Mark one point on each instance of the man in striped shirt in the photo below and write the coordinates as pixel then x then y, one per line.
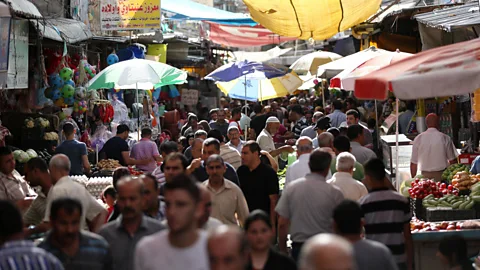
pixel 16 253
pixel 387 215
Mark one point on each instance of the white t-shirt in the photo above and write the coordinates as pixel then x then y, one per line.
pixel 155 252
pixel 432 150
pixel 351 188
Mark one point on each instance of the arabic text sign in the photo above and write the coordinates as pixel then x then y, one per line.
pixel 189 97
pixel 129 14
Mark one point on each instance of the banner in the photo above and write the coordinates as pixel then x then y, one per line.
pixel 4 43
pixel 129 14
pixel 18 55
pixel 189 97
pixel 244 36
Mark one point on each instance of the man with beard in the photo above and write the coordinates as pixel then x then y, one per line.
pixel 124 233
pixel 183 246
pixel 75 248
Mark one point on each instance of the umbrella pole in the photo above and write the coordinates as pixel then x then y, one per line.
pixel 246 103
pixel 397 175
pixel 324 82
pixel 377 125
pixel 138 112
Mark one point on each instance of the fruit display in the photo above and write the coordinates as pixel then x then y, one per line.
pixel 29 123
pixel 108 164
pixel 451 201
pixel 50 136
pixel 452 170
pixel 464 181
pixel 417 226
pixel 282 177
pixel 421 188
pixel 42 122
pixel 134 172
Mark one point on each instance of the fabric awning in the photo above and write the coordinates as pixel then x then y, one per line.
pixel 25 8
pixel 189 10
pixel 63 29
pixel 4 10
pixel 243 36
pixel 450 18
pixel 260 56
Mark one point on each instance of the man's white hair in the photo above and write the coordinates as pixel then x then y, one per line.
pixel 319 243
pixel 325 139
pixel 60 161
pixel 345 162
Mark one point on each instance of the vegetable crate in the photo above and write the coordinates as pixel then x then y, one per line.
pixel 418 210
pixel 446 214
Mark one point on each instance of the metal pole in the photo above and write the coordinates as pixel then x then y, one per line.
pixel 377 125
pixel 397 183
pixel 138 112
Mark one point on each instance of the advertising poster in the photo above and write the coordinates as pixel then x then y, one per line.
pixel 129 14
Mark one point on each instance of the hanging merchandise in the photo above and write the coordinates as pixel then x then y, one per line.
pixel 100 137
pixel 55 81
pixel 80 93
pixel 80 107
pixel 70 82
pixel 103 110
pixel 67 94
pixel 112 59
pixel 476 106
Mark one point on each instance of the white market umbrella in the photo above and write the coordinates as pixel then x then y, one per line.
pixel 309 63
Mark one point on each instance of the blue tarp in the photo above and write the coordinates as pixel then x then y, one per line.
pixel 189 10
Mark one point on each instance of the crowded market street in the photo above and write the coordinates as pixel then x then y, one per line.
pixel 239 135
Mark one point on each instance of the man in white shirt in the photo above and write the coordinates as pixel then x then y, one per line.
pixel 299 168
pixel 234 139
pixel 183 245
pixel 207 222
pixel 265 139
pixel 351 188
pixel 432 151
pixel 357 140
pixel 65 187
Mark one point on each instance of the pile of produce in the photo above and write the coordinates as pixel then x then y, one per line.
pixel 29 123
pixel 108 164
pixel 24 156
pixel 417 225
pixel 282 177
pixel 134 172
pixel 421 188
pixel 42 122
pixel 50 136
pixel 451 201
pixel 452 170
pixel 464 181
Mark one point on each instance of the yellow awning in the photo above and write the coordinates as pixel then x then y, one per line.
pixel 317 19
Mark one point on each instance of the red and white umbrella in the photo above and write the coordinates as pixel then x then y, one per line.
pixel 346 79
pixel 444 71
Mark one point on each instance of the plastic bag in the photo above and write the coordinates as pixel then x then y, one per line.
pixel 121 111
pixel 100 137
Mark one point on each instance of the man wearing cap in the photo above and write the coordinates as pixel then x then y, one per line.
pixel 265 138
pixel 320 127
pixel 297 115
pixel 117 148
pixel 310 131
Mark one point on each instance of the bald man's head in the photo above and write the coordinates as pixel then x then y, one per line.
pixel 304 145
pixel 326 139
pixel 206 201
pixel 431 121
pixel 227 248
pixel 326 252
pixel 59 167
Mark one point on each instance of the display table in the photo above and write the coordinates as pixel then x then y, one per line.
pixel 425 245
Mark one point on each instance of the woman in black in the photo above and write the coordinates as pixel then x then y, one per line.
pixel 260 236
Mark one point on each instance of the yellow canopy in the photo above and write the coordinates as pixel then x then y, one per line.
pixel 317 19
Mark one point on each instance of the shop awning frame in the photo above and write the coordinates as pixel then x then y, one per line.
pixel 451 18
pixel 63 29
pixel 24 8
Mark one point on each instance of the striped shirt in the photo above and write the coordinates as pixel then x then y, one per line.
pixel 231 155
pixel 13 187
pixel 300 125
pixel 20 255
pixel 386 213
pixel 93 253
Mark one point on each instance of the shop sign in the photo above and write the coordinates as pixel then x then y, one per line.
pixel 189 97
pixel 4 42
pixel 129 14
pixel 18 55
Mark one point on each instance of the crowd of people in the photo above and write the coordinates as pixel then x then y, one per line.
pixel 212 199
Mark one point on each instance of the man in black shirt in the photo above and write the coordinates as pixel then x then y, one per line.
pixel 258 122
pixel 259 182
pixel 117 148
